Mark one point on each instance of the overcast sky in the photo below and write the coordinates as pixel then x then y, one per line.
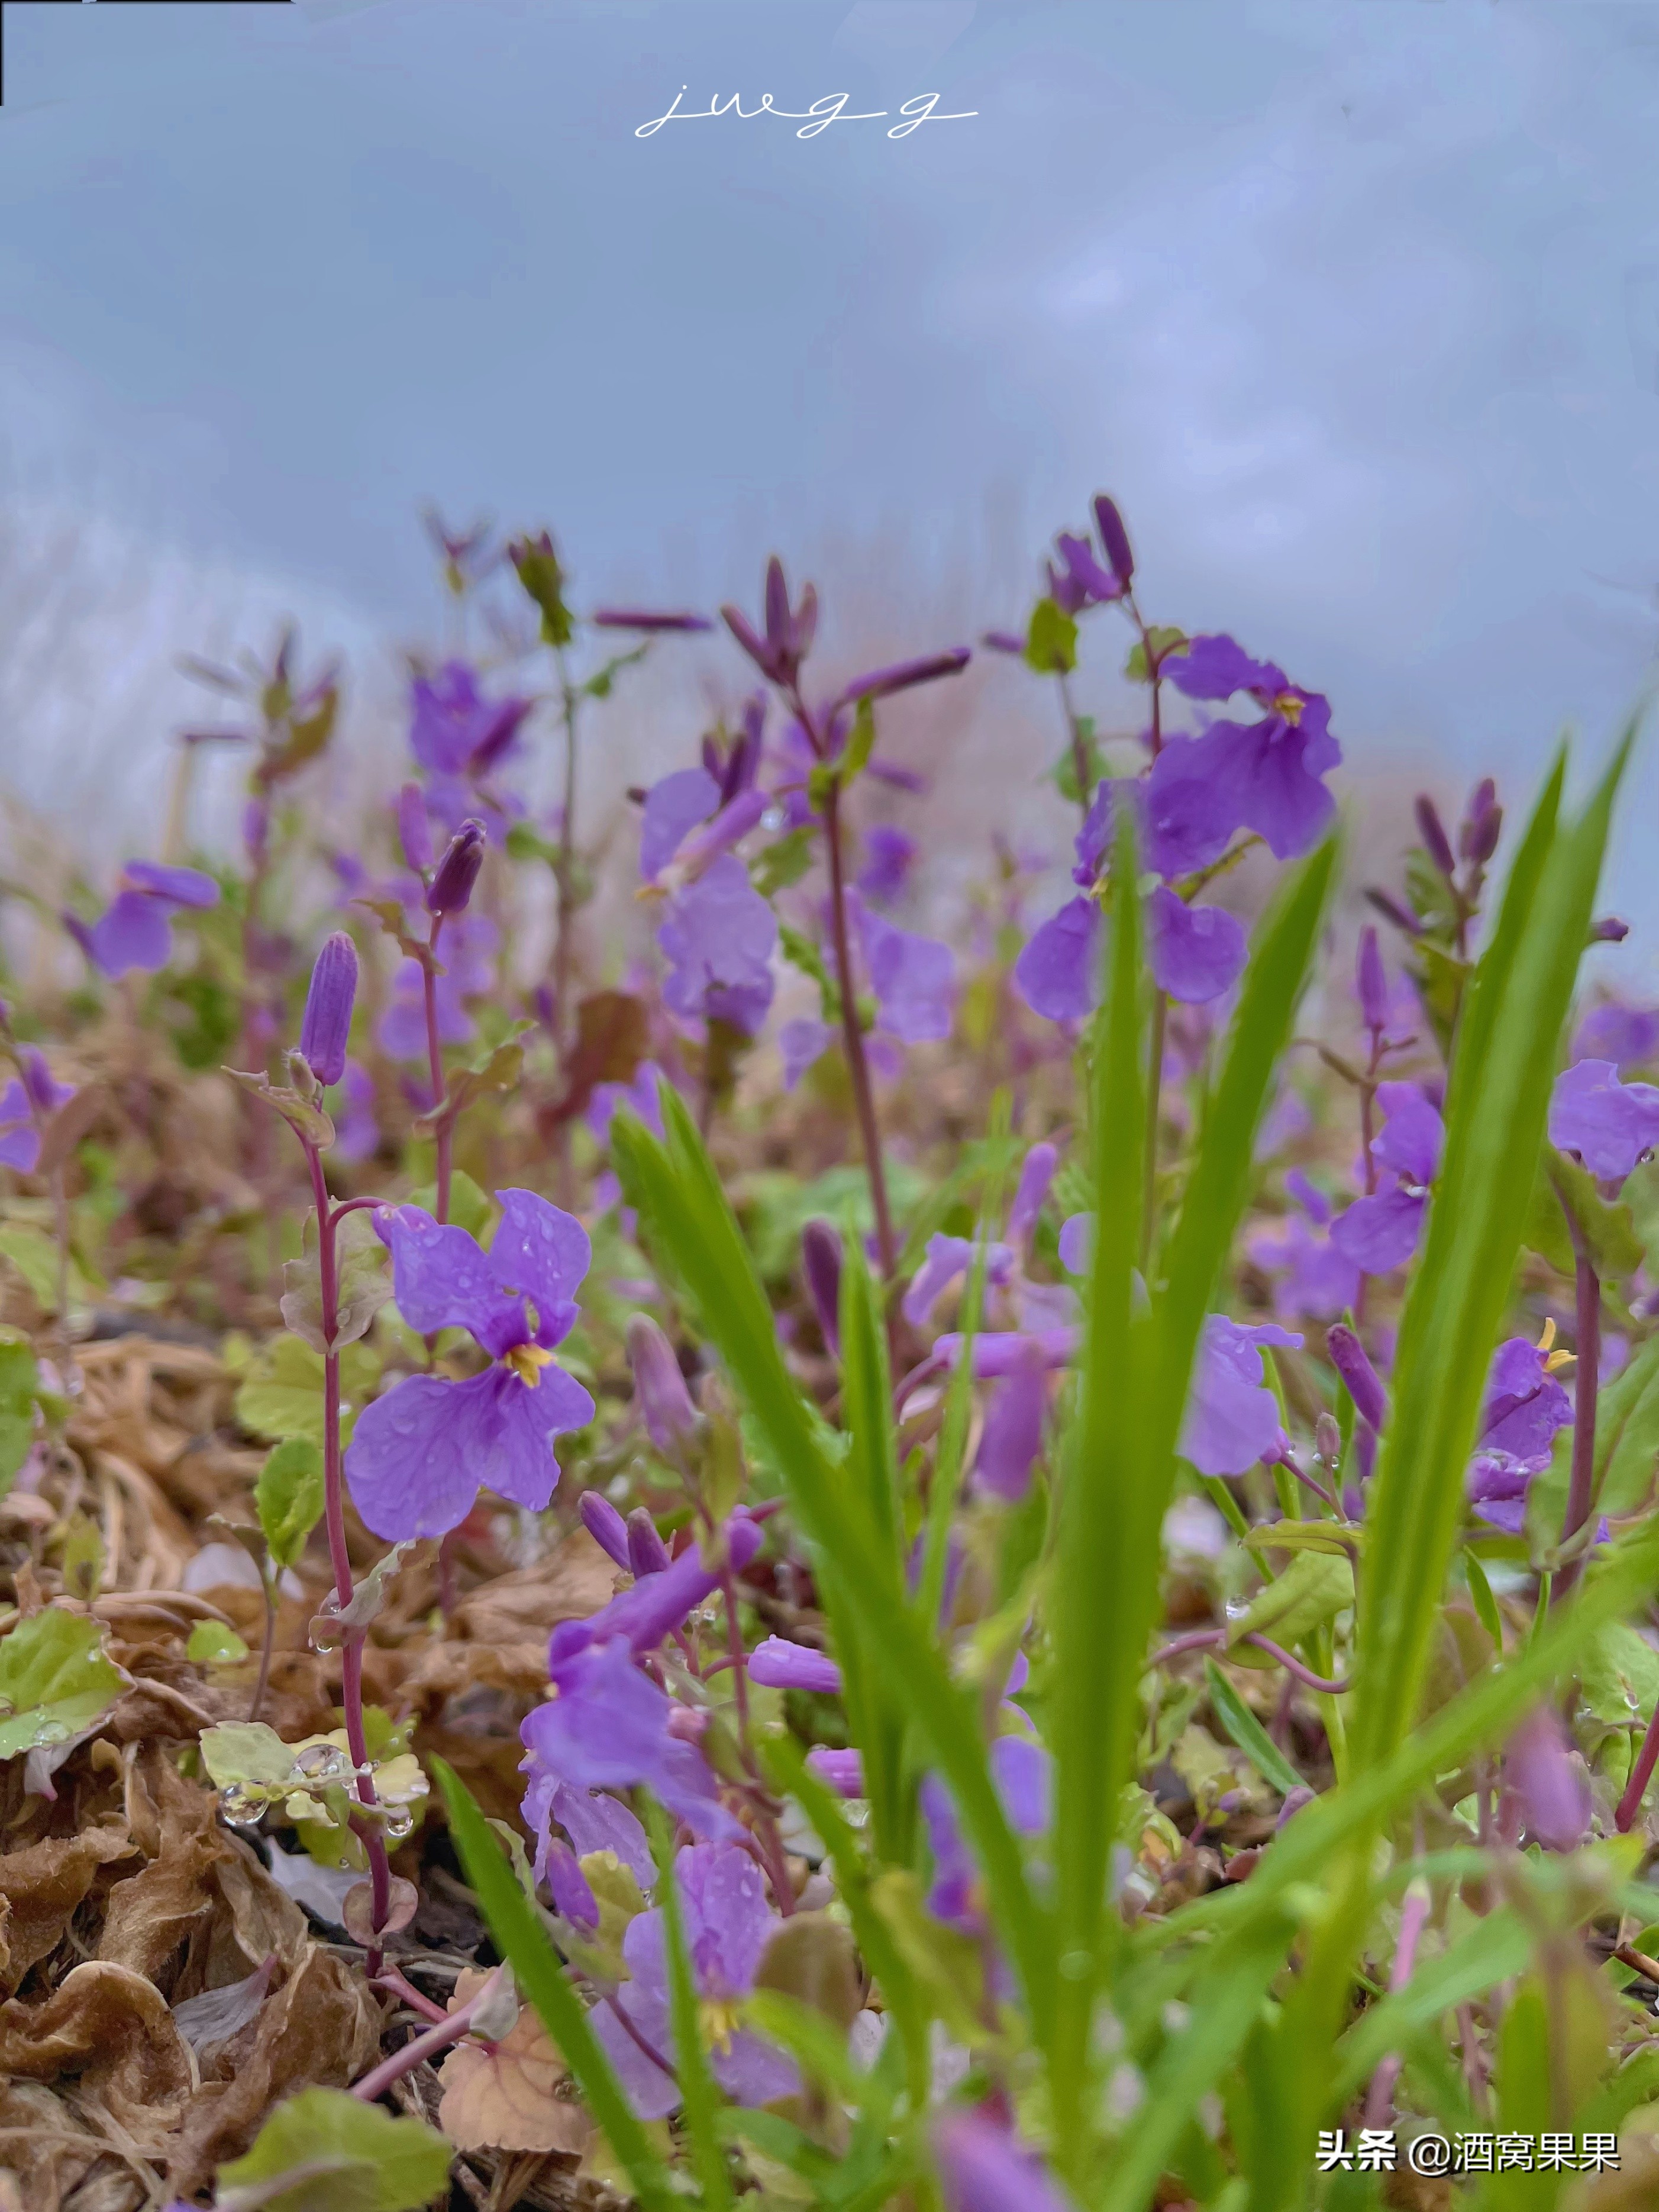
pixel 1354 304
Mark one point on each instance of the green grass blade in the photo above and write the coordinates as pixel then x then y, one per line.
pixel 523 1941
pixel 1247 1733
pixel 700 2098
pixel 686 1214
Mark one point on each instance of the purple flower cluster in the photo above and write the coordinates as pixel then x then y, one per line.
pixel 135 931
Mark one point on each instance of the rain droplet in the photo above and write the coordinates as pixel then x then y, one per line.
pixel 52 1732
pixel 326 1634
pixel 323 1763
pixel 399 1823
pixel 241 1807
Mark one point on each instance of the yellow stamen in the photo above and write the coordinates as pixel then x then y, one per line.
pixel 1289 707
pixel 1546 1335
pixel 1557 1360
pixel 527 1361
pixel 719 2022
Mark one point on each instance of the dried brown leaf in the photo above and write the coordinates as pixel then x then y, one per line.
pixel 40 1888
pixel 507 2097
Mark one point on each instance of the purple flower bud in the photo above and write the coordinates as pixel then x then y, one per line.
pixel 327 1023
pixel 1035 1178
pixel 648 1554
pixel 648 624
pixel 1373 983
pixel 780 629
pixel 1328 1439
pixel 1347 1355
pixel 1003 641
pixel 778 1664
pixel 664 1401
pixel 820 1255
pixel 1114 538
pixel 606 1526
pixel 1478 838
pixel 572 1895
pixel 1609 930
pixel 905 675
pixel 804 629
pixel 759 651
pixel 1391 910
pixel 1295 1803
pixel 414 828
pixel 1433 833
pixel 1546 1772
pixel 457 871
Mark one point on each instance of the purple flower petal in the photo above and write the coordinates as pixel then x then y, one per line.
pixel 673 808
pixel 1196 952
pixel 914 979
pixel 543 1252
pixel 1414 1135
pixel 608 1728
pixel 889 855
pixel 1610 1125
pixel 1057 974
pixel 1012 1435
pixel 1076 1234
pixel 1231 1418
pixel 136 931
pixel 178 886
pixel 718 937
pixel 803 1044
pixel 1381 1233
pixel 441 1278
pixel 1034 1177
pixel 1217 667
pixel 419 1455
pixel 987 2169
pixel 1628 1036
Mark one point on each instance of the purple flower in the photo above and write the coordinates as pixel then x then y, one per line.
pixel 652 1609
pixel 999 1352
pixel 1381 1232
pixel 986 2168
pixel 401 1030
pixel 947 1260
pixel 34 1093
pixel 727 1926
pixel 1315 1281
pixel 1364 1384
pixel 914 979
pixel 888 857
pixel 1080 581
pixel 1525 1407
pixel 803 1043
pixel 840 1771
pixel 420 1455
pixel 789 632
pixel 414 827
pixel 778 1664
pixel 1058 972
pixel 1076 1241
pixel 136 930
pixel 648 1554
pixel 820 1260
pixel 451 887
pixel 455 729
pixel 1196 952
pixel 641 1097
pixel 1114 538
pixel 1034 1177
pixel 327 1021
pixel 673 807
pixel 610 1727
pixel 1628 1036
pixel 718 936
pixel 1231 1418
pixel 665 1402
pixel 1022 1772
pixel 1611 1125
pixel 1544 1768
pixel 1014 1421
pixel 1093 843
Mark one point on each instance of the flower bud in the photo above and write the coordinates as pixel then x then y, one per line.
pixel 572 1896
pixel 1347 1355
pixel 646 622
pixel 780 628
pixel 1609 930
pixel 1003 641
pixel 905 675
pixel 1478 838
pixel 1433 833
pixel 414 828
pixel 1372 982
pixel 1391 910
pixel 665 1402
pixel 327 1023
pixel 1543 1768
pixel 648 1554
pixel 1328 1439
pixel 605 1525
pixel 457 871
pixel 1114 538
pixel 820 1255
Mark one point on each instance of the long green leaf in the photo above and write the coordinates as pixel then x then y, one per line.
pixel 523 1941
pixel 700 2098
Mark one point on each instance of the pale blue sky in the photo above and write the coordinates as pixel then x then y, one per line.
pixel 1354 303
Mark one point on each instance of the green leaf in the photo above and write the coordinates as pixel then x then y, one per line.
pixel 1051 640
pixel 212 1644
pixel 325 2150
pixel 521 1936
pixel 34 1255
pixel 1315 1588
pixel 1247 1733
pixel 55 1680
pixel 288 1498
pixel 784 862
pixel 1619 1681
pixel 1486 1605
pixel 1566 1191
pixel 249 1755
pixel 283 1396
pixel 469 1208
pixel 362 1284
pixel 699 2097
pixel 19 1384
pixel 1164 638
pixel 801 953
pixel 856 754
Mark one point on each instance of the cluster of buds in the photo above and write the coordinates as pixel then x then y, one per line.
pixel 789 631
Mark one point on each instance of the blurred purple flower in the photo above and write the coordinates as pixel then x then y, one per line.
pixel 1057 973
pixel 889 855
pixel 986 2168
pixel 665 1402
pixel 728 1925
pixel 946 1261
pixel 1014 1421
pixel 1611 1125
pixel 1076 1242
pixel 914 978
pixel 839 1771
pixel 1363 1382
pixel 1036 1174
pixel 454 729
pixel 778 1664
pixel 1544 1768
pixel 1232 1418
pixel 673 807
pixel 1628 1036
pixel 905 675
pixel 1313 1280
pixel 420 1455
pixel 820 1262
pixel 718 936
pixel 641 1097
pixel 802 1042
pixel 606 1526
pixel 414 827
pixel 35 1092
pixel 136 930
pixel 1022 1772
pixel 1080 581
pixel 1196 952
pixel 401 1030
pixel 450 890
pixel 1371 983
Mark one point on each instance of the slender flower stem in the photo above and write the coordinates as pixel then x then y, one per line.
pixel 1414 1918
pixel 1212 1639
pixel 267 1644
pixel 391 1979
pixel 351 1652
pixel 1581 1488
pixel 564 866
pixel 858 1065
pixel 444 1130
pixel 1079 748
pixel 439 2037
pixel 1640 1775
